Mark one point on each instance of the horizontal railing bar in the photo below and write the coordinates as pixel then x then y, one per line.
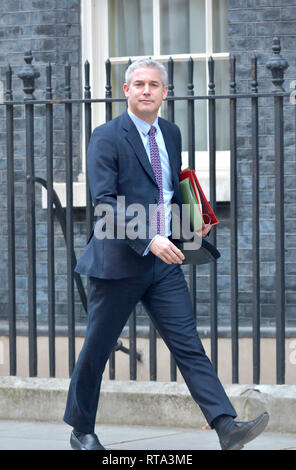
pixel 64 101
pixel 143 331
pixel 169 98
pixel 228 96
pixel 176 57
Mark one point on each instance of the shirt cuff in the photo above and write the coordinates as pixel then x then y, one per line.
pixel 148 247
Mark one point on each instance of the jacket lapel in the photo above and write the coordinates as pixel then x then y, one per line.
pixel 135 141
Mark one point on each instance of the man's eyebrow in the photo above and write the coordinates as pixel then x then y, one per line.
pixel 151 81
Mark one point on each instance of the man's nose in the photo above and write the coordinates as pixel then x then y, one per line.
pixel 146 89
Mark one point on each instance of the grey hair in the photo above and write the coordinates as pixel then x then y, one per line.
pixel 146 63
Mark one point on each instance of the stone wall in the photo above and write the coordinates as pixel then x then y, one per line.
pixel 51 30
pixel 252 26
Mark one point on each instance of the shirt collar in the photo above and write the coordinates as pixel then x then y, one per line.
pixel 142 125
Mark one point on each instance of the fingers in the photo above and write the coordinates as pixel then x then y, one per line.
pixel 170 256
pixel 177 254
pixel 206 230
pixel 167 251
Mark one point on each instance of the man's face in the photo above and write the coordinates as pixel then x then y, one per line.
pixel 145 93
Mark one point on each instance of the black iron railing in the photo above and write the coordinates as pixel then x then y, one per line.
pixel 28 74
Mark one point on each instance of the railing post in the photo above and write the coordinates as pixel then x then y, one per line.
pixel 133 345
pixel 11 225
pixel 233 223
pixel 28 74
pixel 277 65
pixel 50 223
pixel 191 160
pixel 213 235
pixel 69 220
pixel 171 103
pixel 108 92
pixel 255 226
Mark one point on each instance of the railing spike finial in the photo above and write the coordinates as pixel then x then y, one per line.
pixel 108 86
pixel 277 65
pixel 28 74
pixel 171 76
pixel 67 87
pixel 211 68
pixel 8 92
pixel 48 91
pixel 254 82
pixel 87 88
pixel 232 73
pixel 190 86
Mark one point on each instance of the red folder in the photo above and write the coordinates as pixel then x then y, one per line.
pixel 207 212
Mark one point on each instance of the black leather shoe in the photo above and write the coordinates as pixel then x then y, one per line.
pixel 237 433
pixel 81 441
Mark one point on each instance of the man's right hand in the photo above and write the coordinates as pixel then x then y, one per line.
pixel 166 250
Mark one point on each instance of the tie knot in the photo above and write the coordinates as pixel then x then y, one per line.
pixel 152 131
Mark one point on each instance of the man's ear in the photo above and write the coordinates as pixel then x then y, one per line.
pixel 165 91
pixel 125 88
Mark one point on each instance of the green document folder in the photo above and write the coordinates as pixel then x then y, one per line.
pixel 191 206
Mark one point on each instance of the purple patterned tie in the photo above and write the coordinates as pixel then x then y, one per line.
pixel 158 220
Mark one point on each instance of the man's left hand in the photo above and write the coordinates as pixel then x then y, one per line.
pixel 203 232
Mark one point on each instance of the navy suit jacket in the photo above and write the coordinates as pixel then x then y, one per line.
pixel 118 165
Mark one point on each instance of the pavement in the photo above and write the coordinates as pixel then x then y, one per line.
pixel 38 435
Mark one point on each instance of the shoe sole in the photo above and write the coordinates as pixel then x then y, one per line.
pixel 253 433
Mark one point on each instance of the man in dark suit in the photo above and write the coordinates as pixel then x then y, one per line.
pixel 135 159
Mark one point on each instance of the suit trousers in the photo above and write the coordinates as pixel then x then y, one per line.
pixel 163 291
